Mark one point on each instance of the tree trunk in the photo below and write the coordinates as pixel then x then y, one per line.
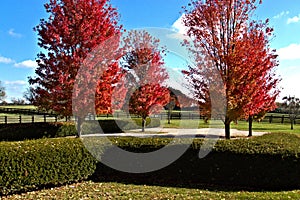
pixel 143 124
pixel 292 124
pixel 169 116
pixel 227 130
pixel 227 127
pixel 79 124
pixel 250 125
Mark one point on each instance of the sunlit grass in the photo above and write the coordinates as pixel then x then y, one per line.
pixel 19 106
pixel 267 127
pixel 102 190
pixel 240 125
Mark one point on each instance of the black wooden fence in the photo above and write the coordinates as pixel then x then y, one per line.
pixel 25 118
pixel 25 111
pixel 280 119
pixel 31 119
pixel 32 116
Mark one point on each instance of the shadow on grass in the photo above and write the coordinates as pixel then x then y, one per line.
pixel 216 172
pixel 159 179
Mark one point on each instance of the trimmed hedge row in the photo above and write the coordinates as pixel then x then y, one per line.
pixel 267 162
pixel 117 126
pixel 28 131
pixel 46 162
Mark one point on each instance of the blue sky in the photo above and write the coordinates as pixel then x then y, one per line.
pixel 18 41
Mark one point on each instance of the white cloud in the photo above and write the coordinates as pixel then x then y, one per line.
pixel 178 36
pixel 15 88
pixel 294 19
pixel 12 33
pixel 23 64
pixel 283 13
pixel 180 29
pixel 6 60
pixel 27 64
pixel 179 26
pixel 17 82
pixel 291 52
pixel 289 84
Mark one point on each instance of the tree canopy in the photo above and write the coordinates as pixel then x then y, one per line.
pixel 231 48
pixel 72 31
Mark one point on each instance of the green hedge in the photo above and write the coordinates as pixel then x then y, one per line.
pixel 46 162
pixel 117 126
pixel 28 131
pixel 266 162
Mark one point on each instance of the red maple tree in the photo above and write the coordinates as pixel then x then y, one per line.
pixel 72 31
pixel 226 41
pixel 148 99
pixel 255 53
pixel 143 60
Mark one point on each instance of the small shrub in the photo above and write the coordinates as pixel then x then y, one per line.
pixel 116 126
pixel 66 129
pixel 150 122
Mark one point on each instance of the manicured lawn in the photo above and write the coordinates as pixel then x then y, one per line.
pixel 189 123
pixel 268 127
pixel 19 106
pixel 241 125
pixel 93 190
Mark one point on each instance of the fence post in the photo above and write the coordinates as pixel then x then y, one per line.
pixel 282 119
pixel 45 120
pixel 270 118
pixel 32 119
pixel 55 118
pixel 5 119
pixel 20 119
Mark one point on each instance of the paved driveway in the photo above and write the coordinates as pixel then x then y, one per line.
pixel 172 132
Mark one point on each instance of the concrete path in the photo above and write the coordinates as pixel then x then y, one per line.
pixel 173 132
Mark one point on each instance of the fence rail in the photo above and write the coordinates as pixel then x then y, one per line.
pixel 30 119
pixel 25 111
pixel 25 118
pixel 280 119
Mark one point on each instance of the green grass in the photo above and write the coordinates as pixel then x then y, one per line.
pixel 114 190
pixel 268 127
pixel 189 123
pixel 9 115
pixel 109 190
pixel 241 125
pixel 19 106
